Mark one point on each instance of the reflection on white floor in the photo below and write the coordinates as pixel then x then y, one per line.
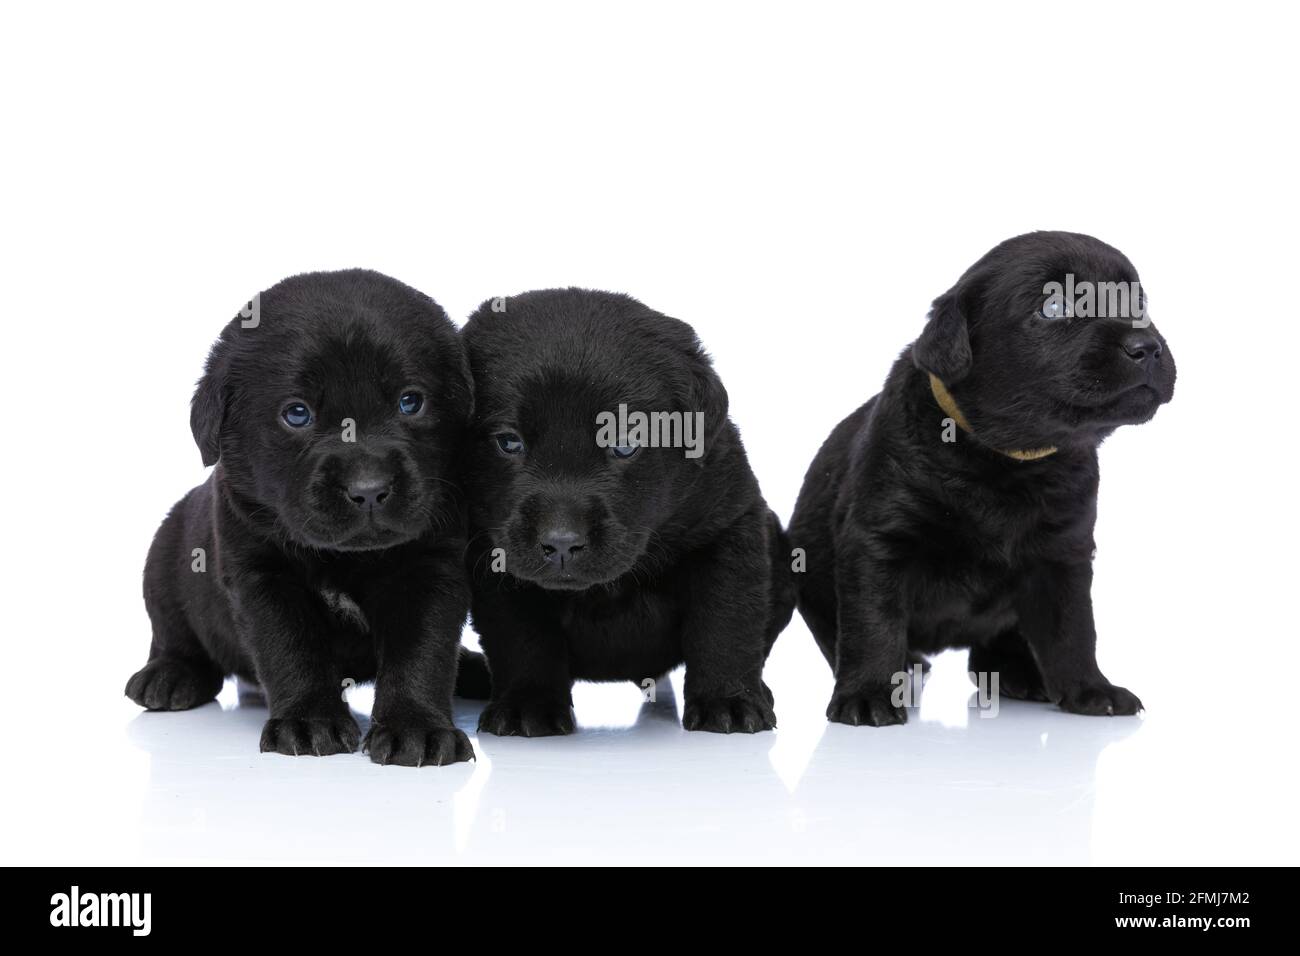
pixel 1030 784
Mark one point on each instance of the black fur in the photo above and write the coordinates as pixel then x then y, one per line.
pixel 914 544
pixel 308 581
pixel 674 561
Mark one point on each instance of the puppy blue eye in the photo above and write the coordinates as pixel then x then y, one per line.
pixel 624 451
pixel 410 403
pixel 1055 308
pixel 509 443
pixel 296 415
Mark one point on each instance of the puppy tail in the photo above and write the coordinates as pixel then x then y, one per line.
pixel 472 677
pixel 784 585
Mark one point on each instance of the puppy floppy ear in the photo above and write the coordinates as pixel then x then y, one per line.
pixel 944 346
pixel 208 407
pixel 708 395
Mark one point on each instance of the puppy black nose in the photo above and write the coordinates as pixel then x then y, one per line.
pixel 369 492
pixel 1142 347
pixel 562 545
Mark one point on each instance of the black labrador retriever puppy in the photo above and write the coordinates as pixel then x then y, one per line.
pixel 616 529
pixel 956 508
pixel 328 542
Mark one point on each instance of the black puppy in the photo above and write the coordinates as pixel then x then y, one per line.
pixel 956 508
pixel 595 555
pixel 328 542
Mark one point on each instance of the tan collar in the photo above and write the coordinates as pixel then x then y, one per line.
pixel 949 405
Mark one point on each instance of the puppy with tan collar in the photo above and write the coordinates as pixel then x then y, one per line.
pixel 956 508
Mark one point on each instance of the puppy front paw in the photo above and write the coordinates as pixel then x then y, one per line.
pixel 168 683
pixel 527 716
pixel 311 736
pixel 416 745
pixel 1100 700
pixel 872 707
pixel 735 714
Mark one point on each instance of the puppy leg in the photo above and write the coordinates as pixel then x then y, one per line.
pixel 817 606
pixel 179 674
pixel 531 686
pixel 1056 620
pixel 473 679
pixel 416 615
pixel 784 589
pixel 1008 656
pixel 284 627
pixel 872 643
pixel 723 638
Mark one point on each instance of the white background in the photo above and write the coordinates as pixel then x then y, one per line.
pixel 798 181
